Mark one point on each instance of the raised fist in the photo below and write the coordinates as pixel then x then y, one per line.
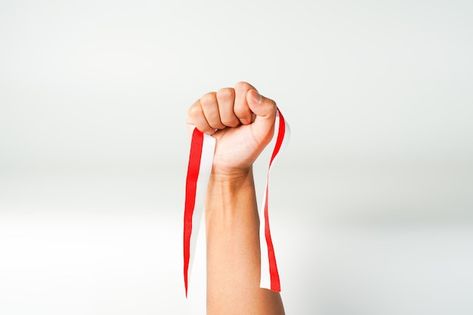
pixel 240 119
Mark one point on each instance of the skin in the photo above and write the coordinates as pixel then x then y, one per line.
pixel 242 121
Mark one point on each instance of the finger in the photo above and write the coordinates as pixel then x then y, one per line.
pixel 196 117
pixel 210 109
pixel 240 108
pixel 263 107
pixel 225 99
pixel 265 111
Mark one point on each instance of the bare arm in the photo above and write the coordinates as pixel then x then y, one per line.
pixel 233 258
pixel 245 123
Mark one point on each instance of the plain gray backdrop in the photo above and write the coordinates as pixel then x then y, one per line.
pixel 371 203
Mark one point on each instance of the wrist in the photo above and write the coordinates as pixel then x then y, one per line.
pixel 230 176
pixel 227 190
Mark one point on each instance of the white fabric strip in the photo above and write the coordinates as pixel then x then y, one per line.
pixel 265 278
pixel 206 160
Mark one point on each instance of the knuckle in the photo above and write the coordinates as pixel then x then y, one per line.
pixel 243 85
pixel 194 110
pixel 207 98
pixel 226 93
pixel 272 103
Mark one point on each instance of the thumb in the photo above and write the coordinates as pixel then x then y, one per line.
pixel 265 111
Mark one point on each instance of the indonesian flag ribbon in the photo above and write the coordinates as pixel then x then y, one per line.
pixel 198 171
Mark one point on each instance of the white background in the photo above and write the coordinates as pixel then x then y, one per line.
pixel 372 207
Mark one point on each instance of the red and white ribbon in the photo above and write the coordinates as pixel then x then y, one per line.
pixel 198 172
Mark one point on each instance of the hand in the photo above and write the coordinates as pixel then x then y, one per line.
pixel 240 119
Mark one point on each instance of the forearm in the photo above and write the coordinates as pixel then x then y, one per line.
pixel 233 253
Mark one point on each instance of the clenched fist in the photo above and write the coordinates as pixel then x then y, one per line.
pixel 240 119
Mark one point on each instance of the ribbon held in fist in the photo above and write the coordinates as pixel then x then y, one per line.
pixel 232 128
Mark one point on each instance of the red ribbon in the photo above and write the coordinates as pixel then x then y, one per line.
pixel 191 188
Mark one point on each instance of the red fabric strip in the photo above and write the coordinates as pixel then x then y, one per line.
pixel 191 188
pixel 273 267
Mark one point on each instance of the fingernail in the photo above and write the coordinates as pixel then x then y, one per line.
pixel 255 96
pixel 245 121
